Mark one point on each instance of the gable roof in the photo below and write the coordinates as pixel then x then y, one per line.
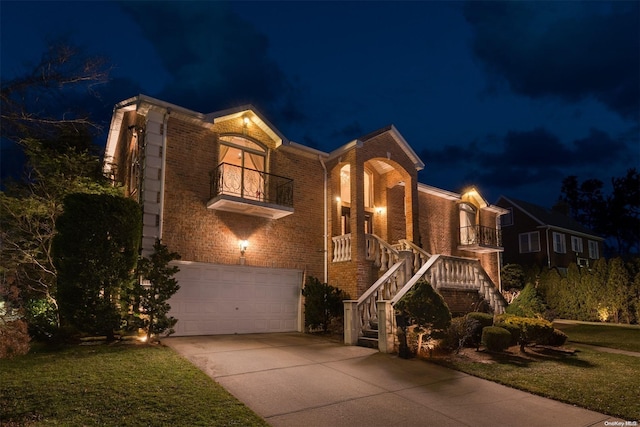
pixel 394 133
pixel 547 217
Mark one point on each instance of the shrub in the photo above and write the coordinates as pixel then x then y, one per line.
pixel 529 330
pixel 556 339
pixel 42 318
pixel 424 307
pixel 528 304
pixel 495 338
pixel 14 338
pixel 512 277
pixel 475 321
pixel 322 304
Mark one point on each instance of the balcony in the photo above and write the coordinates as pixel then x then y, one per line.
pixel 480 239
pixel 250 192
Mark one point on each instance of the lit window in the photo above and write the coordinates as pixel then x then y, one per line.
pixel 529 242
pixel 467 224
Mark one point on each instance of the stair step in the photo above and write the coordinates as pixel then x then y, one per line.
pixel 368 342
pixel 370 333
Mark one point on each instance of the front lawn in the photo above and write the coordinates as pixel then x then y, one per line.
pixel 121 384
pixel 605 335
pixel 603 382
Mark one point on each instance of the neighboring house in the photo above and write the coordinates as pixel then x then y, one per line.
pixel 533 235
pixel 252 214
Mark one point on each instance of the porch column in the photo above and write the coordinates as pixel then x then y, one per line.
pixel 351 322
pixel 386 327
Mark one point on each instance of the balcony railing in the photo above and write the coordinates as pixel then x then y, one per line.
pixel 251 184
pixel 478 236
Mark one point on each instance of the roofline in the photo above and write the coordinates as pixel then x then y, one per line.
pixel 305 150
pixel 450 195
pixel 555 227
pixel 573 232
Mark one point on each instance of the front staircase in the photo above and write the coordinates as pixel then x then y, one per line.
pixel 370 320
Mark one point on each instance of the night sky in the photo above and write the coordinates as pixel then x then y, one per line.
pixel 508 96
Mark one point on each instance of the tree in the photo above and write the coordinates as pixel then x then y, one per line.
pixel 95 252
pixel 424 307
pixel 150 295
pixel 322 303
pixel 528 304
pixel 615 217
pixel 37 112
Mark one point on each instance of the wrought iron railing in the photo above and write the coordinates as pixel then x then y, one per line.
pixel 251 184
pixel 480 235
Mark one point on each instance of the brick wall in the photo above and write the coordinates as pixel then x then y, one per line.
pixel 205 235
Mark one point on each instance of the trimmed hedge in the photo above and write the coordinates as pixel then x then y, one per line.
pixel 529 330
pixel 556 339
pixel 485 319
pixel 495 338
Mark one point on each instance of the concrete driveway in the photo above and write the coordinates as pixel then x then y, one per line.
pixel 293 379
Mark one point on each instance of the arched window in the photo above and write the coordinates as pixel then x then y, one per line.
pixel 468 232
pixel 241 167
pixel 345 186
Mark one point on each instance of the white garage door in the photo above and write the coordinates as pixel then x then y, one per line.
pixel 228 299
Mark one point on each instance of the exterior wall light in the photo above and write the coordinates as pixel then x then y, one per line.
pixel 379 210
pixel 245 121
pixel 338 199
pixel 244 244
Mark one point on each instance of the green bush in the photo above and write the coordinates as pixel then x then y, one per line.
pixel 322 304
pixel 42 317
pixel 556 339
pixel 512 277
pixel 495 338
pixel 475 321
pixel 530 330
pixel 528 304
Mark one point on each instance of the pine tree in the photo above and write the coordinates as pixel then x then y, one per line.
pixel 153 292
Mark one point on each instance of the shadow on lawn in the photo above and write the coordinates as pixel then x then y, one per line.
pixel 540 354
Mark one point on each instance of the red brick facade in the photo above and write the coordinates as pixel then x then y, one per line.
pixel 400 207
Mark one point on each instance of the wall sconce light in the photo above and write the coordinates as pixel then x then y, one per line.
pixel 379 210
pixel 245 121
pixel 338 199
pixel 244 244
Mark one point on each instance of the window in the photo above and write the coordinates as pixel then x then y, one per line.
pixel 242 165
pixel 467 224
pixel 559 243
pixel 529 242
pixel 345 186
pixel 576 244
pixel 593 250
pixel 507 219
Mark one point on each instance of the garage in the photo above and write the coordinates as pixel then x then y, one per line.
pixel 234 299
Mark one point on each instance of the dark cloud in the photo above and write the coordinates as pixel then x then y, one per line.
pixel 348 132
pixel 535 157
pixel 572 50
pixel 215 59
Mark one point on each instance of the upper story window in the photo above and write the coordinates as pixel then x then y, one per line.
pixel 507 219
pixel 467 224
pixel 239 151
pixel 593 250
pixel 345 186
pixel 576 244
pixel 529 242
pixel 559 243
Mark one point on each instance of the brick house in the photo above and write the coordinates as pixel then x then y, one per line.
pixel 535 236
pixel 252 214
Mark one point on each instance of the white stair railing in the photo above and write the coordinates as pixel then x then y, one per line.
pixel 380 252
pixel 341 248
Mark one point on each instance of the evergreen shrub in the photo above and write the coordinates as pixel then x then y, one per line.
pixel 495 338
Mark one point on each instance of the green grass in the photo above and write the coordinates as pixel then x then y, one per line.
pixel 106 385
pixel 603 382
pixel 620 337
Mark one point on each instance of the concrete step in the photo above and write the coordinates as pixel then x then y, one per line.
pixel 368 342
pixel 370 333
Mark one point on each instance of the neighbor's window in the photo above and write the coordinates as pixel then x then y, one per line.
pixel 559 243
pixel 507 219
pixel 529 242
pixel 576 244
pixel 593 250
